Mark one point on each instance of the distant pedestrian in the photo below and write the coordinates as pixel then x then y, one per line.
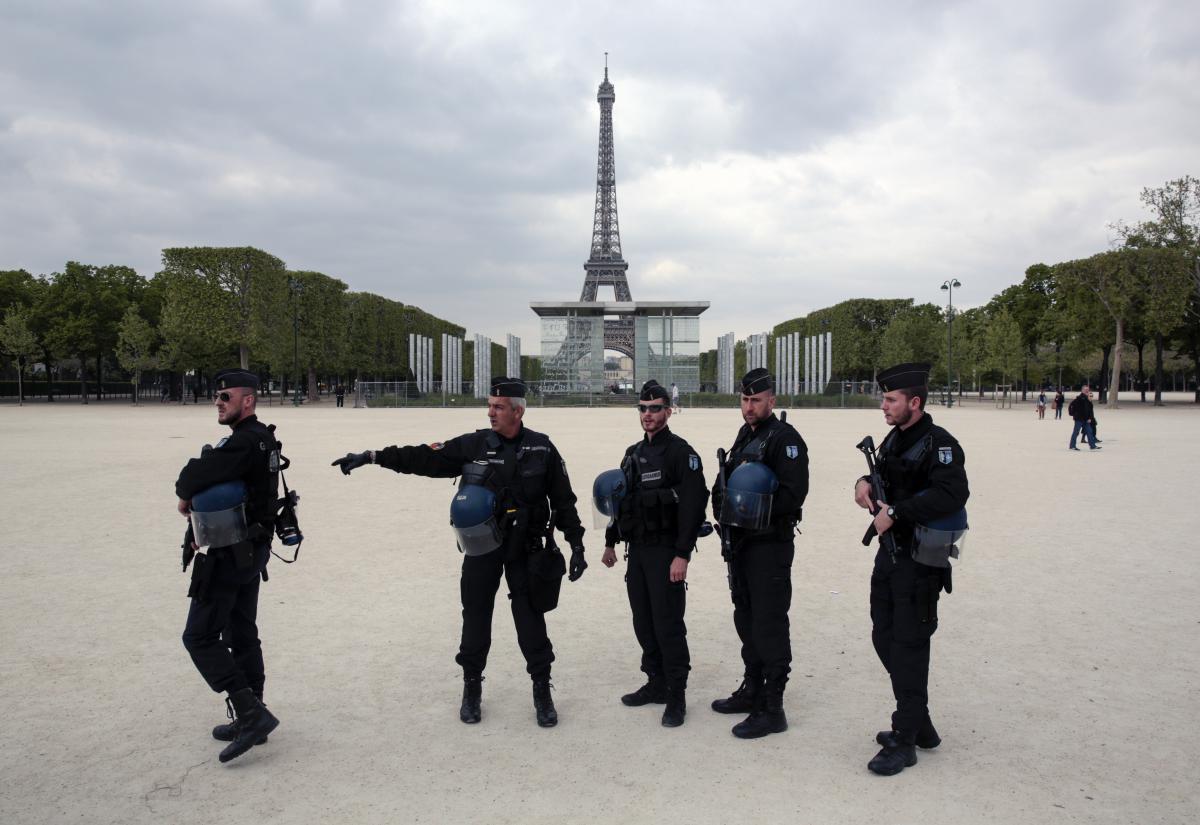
pixel 1081 411
pixel 675 398
pixel 1060 401
pixel 1041 405
pixel 340 392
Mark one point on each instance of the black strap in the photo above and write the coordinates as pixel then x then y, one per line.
pixel 287 499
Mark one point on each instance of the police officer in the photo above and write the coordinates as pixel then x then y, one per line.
pixel 922 468
pixel 221 633
pixel 529 479
pixel 760 562
pixel 659 516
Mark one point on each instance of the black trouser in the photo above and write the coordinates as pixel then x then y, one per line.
pixel 904 597
pixel 480 580
pixel 221 632
pixel 341 400
pixel 762 594
pixel 658 605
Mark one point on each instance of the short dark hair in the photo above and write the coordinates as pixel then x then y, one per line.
pixel 916 392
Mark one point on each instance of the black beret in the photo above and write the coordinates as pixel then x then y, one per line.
pixel 903 377
pixel 757 381
pixel 227 379
pixel 653 390
pixel 508 387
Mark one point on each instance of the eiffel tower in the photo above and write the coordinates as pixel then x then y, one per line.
pixel 605 266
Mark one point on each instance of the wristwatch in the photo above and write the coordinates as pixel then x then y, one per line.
pixel 891 511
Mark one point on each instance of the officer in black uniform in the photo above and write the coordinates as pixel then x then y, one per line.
pixel 659 517
pixel 529 478
pixel 760 569
pixel 221 633
pixel 922 468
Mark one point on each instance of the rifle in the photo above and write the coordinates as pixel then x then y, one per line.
pixel 887 541
pixel 726 537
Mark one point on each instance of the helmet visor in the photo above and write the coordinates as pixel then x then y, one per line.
pixel 936 547
pixel 751 511
pixel 480 539
pixel 219 528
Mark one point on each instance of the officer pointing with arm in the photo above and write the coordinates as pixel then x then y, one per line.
pixel 519 477
pixel 765 484
pixel 925 481
pixel 229 494
pixel 657 507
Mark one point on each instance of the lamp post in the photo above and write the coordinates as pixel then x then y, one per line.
pixel 949 287
pixel 296 286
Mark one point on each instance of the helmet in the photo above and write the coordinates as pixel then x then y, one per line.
pixel 219 514
pixel 941 539
pixel 473 517
pixel 748 495
pixel 607 491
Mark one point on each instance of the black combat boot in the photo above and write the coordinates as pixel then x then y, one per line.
pixel 469 711
pixel 676 707
pixel 927 737
pixel 228 732
pixel 543 704
pixel 768 717
pixel 253 722
pixel 742 700
pixel 654 692
pixel 898 754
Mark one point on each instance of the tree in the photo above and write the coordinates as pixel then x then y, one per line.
pixel 135 345
pixel 1110 278
pixel 916 333
pixel 244 300
pixel 18 340
pixel 1004 344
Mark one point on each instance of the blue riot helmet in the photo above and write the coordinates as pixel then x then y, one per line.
pixel 940 539
pixel 607 491
pixel 473 517
pixel 219 514
pixel 748 495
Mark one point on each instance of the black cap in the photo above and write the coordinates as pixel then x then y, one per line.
pixel 652 391
pixel 903 377
pixel 757 381
pixel 227 379
pixel 508 387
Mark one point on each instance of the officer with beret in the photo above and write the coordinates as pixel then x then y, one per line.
pixel 658 516
pixel 925 481
pixel 221 633
pixel 759 549
pixel 526 475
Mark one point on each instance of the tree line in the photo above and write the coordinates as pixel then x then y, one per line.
pixel 1047 329
pixel 208 308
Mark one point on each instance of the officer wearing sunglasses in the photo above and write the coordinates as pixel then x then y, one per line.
pixel 658 517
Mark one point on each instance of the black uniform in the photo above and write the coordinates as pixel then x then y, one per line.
pixel 659 518
pixel 760 572
pixel 925 478
pixel 221 633
pixel 529 479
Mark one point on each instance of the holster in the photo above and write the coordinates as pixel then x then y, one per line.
pixel 202 572
pixel 546 570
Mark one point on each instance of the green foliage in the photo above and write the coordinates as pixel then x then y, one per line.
pixel 136 341
pixel 1004 344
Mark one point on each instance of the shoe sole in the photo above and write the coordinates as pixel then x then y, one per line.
pixel 230 757
pixel 882 737
pixel 892 773
pixel 639 704
pixel 730 711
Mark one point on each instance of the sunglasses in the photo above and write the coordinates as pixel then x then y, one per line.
pixel 224 396
pixel 651 408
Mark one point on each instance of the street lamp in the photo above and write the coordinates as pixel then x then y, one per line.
pixel 296 286
pixel 949 287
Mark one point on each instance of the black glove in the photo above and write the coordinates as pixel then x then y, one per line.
pixel 352 461
pixel 578 565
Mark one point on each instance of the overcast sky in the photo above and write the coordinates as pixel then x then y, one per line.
pixel 772 157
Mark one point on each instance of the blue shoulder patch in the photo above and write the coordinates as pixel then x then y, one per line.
pixel 694 462
pixel 792 451
pixel 945 455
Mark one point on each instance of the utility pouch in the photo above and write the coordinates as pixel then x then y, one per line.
pixel 243 555
pixel 928 591
pixel 546 567
pixel 202 571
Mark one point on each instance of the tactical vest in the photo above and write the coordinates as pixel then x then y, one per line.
pixel 517 475
pixel 903 474
pixel 649 512
pixel 262 479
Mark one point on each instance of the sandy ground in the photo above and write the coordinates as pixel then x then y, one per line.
pixel 1064 679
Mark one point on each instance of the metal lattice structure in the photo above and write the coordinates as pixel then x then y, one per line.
pixel 605 266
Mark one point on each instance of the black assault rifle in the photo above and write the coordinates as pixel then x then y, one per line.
pixel 887 541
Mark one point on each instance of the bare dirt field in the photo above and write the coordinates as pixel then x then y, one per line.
pixel 1064 680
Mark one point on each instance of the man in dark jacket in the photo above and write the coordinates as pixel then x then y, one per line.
pixel 1084 413
pixel 924 475
pixel 222 633
pixel 528 477
pixel 659 517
